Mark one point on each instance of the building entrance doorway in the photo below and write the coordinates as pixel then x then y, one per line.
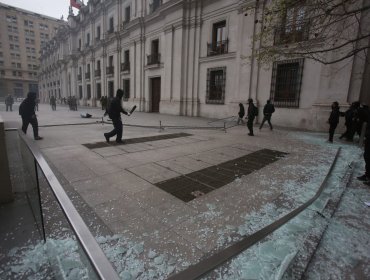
pixel 155 84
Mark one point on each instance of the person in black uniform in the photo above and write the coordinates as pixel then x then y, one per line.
pixel 27 112
pixel 333 120
pixel 251 114
pixel 53 103
pixel 114 112
pixel 9 102
pixel 268 110
pixel 241 113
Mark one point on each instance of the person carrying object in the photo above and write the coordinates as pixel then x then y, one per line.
pixel 27 112
pixel 114 112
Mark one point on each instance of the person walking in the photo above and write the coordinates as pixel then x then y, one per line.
pixel 9 102
pixel 333 120
pixel 251 114
pixel 366 177
pixel 27 112
pixel 241 113
pixel 53 103
pixel 268 110
pixel 114 111
pixel 37 101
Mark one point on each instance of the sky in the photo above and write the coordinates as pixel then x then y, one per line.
pixel 52 8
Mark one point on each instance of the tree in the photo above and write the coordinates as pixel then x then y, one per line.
pixel 328 31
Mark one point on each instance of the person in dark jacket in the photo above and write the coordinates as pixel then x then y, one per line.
pixel 53 103
pixel 251 114
pixel 27 112
pixel 333 120
pixel 366 176
pixel 268 110
pixel 241 113
pixel 9 102
pixel 114 112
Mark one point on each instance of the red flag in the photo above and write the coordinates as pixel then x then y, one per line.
pixel 76 4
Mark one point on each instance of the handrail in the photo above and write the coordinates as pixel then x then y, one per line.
pixel 95 254
pixel 206 265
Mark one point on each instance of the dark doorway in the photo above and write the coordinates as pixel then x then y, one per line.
pixel 110 89
pixel 155 93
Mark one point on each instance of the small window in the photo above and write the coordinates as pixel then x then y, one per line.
pixel 127 56
pixel 216 81
pixel 80 92
pixel 126 89
pixel 111 25
pixel 98 91
pixel 294 26
pixel 219 44
pixel 286 83
pixel 88 39
pixel 127 14
pixel 88 91
pixel 98 33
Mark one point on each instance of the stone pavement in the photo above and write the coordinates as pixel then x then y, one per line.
pixel 117 182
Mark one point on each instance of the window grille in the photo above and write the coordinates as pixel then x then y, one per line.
pixel 216 81
pixel 286 83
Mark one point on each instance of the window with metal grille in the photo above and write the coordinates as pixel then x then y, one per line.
pixel 286 83
pixel 216 81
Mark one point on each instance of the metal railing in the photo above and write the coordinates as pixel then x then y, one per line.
pixel 97 73
pixel 125 66
pixel 291 33
pixel 154 58
pixel 110 70
pixel 40 174
pixel 217 48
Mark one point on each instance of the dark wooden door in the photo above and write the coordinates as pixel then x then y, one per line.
pixel 156 94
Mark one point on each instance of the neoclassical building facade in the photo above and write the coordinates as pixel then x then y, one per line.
pixel 187 57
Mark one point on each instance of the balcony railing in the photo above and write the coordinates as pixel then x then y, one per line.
pixel 79 77
pixel 291 34
pixel 110 70
pixel 97 73
pixel 125 66
pixel 110 30
pixel 154 58
pixel 87 75
pixel 154 6
pixel 217 48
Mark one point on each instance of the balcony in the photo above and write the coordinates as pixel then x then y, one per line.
pixel 110 30
pixel 87 75
pixel 154 58
pixel 125 66
pixel 154 6
pixel 291 34
pixel 79 77
pixel 110 70
pixel 217 48
pixel 97 73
